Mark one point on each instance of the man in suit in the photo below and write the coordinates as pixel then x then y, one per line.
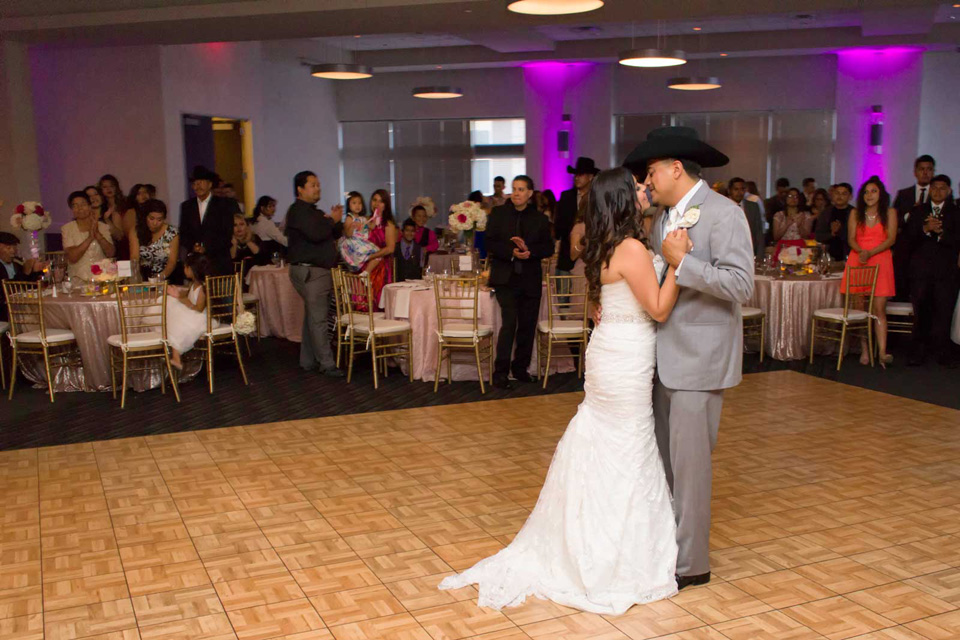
pixel 933 233
pixel 567 207
pixel 737 188
pixel 775 203
pixel 907 199
pixel 13 268
pixel 700 346
pixel 518 238
pixel 831 227
pixel 206 222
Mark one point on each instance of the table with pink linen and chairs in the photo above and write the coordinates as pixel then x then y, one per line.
pixel 281 308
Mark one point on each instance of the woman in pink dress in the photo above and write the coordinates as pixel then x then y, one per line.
pixel 384 235
pixel 872 230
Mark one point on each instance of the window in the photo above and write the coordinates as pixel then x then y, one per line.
pixel 498 150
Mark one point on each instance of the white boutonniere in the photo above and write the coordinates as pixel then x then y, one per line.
pixel 690 217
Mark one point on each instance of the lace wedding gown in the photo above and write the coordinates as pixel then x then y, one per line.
pixel 601 537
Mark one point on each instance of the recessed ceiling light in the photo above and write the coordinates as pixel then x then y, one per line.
pixel 553 7
pixel 438 93
pixel 723 55
pixel 340 71
pixel 693 83
pixel 356 36
pixel 652 58
pixel 696 28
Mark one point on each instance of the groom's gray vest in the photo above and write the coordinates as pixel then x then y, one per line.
pixel 700 346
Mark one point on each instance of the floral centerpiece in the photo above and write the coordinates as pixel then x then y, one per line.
pixel 104 270
pixel 428 205
pixel 30 216
pixel 468 217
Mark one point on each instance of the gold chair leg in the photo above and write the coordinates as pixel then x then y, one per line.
pixel 246 340
pixel 123 390
pixel 46 364
pixel 436 372
pixel 843 339
pixel 476 353
pixel 13 372
pixel 173 381
pixel 243 372
pixel 210 363
pixel 410 355
pixel 373 357
pixel 763 330
pixel 450 366
pixel 113 373
pixel 3 375
pixel 490 360
pixel 546 369
pixel 813 336
pixel 870 339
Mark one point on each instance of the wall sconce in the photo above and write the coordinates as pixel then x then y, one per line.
pixel 876 129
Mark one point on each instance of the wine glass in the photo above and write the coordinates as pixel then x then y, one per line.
pixel 275 259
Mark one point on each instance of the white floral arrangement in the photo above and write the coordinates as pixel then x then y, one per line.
pixel 104 270
pixel 30 216
pixel 467 216
pixel 428 205
pixel 795 255
pixel 246 323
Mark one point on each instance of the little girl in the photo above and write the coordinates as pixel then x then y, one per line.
pixel 187 309
pixel 356 248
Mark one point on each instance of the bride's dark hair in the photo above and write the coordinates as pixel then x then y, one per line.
pixel 612 216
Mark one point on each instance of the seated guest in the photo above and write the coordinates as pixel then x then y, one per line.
pixel 245 245
pixel 831 229
pixel 85 240
pixel 933 229
pixel 187 309
pixel 96 201
pixel 13 268
pixel 819 203
pixel 778 201
pixel 792 225
pixel 272 238
pixel 809 189
pixel 155 242
pixel 409 253
pixel 424 237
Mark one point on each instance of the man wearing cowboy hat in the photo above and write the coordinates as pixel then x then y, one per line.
pixel 206 222
pixel 700 346
pixel 567 207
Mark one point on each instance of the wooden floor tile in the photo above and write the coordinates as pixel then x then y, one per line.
pixel 169 577
pixel 82 565
pixel 259 591
pixel 66 594
pixel 422 593
pixel 461 620
pixel 406 565
pixel 772 625
pixel 90 620
pixel 23 628
pixel 581 626
pixel 843 575
pixel 275 620
pixel 356 604
pixel 15 603
pixel 212 627
pixel 654 620
pixel 782 589
pixel 331 578
pixel 169 606
pixel 381 543
pixel 718 603
pixel 838 618
pixel 244 565
pixel 398 627
pixel 900 602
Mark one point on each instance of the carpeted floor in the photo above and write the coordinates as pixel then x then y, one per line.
pixel 279 391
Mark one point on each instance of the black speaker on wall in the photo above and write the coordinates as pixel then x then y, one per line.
pixel 563 141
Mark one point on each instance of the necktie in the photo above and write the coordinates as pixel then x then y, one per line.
pixel 407 250
pixel 672 221
pixel 923 195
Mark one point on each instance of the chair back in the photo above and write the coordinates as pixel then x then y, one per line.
pixel 143 308
pixel 548 266
pixel 357 294
pixel 567 300
pixel 223 300
pixel 336 274
pixel 860 281
pixel 58 264
pixel 25 307
pixel 457 301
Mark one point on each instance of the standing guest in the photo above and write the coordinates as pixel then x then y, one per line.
pixel 273 239
pixel 96 201
pixel 871 231
pixel 933 229
pixel 818 204
pixel 720 187
pixel 498 198
pixel 831 229
pixel 751 209
pixel 547 204
pixel 809 188
pixel 578 237
pixel 312 252
pixel 583 172
pixel 409 254
pixel 187 309
pixel 244 245
pixel 480 237
pixel 85 240
pixel 752 196
pixel 792 225
pixel 907 199
pixel 206 222
pixel 115 205
pixel 13 268
pixel 155 242
pixel 518 238
pixel 426 238
pixel 139 194
pixel 776 202
pixel 384 234
pixel 151 191
pixel 229 191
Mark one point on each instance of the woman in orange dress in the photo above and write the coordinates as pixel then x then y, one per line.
pixel 871 231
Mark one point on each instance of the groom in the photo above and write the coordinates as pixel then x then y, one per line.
pixel 700 346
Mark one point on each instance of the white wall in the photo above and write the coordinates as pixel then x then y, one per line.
pixel 19 169
pixel 939 112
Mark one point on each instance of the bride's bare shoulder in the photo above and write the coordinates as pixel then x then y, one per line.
pixel 629 250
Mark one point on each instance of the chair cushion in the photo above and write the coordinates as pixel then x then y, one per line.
pixel 360 317
pixel 381 326
pixel 453 330
pixel 249 298
pixel 146 339
pixel 4 327
pixel 223 330
pixel 561 327
pixel 53 335
pixel 893 309
pixel 837 314
pixel 751 312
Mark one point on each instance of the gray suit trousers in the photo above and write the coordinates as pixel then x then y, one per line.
pixel 687 423
pixel 314 284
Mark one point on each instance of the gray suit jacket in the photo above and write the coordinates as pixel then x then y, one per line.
pixel 700 346
pixel 755 220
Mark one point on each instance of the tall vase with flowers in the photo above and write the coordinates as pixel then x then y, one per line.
pixel 467 217
pixel 30 216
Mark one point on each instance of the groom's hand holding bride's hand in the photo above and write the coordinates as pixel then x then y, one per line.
pixel 675 246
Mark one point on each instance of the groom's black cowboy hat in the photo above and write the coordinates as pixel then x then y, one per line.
pixel 584 166
pixel 681 143
pixel 200 172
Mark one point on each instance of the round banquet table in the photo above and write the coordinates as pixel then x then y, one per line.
pixel 281 307
pixel 93 320
pixel 422 314
pixel 443 262
pixel 789 304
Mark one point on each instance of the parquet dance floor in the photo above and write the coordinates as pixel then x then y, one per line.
pixel 836 515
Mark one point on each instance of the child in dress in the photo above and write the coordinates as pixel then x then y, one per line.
pixel 187 309
pixel 356 248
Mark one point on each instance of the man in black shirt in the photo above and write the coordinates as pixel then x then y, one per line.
pixel 312 252
pixel 832 224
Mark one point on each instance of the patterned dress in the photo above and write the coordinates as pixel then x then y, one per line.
pixel 153 257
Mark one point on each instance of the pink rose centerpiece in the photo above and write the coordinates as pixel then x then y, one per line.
pixel 104 270
pixel 468 217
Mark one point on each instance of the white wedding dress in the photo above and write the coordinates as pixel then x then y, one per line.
pixel 602 536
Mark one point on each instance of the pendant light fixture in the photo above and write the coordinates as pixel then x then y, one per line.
pixel 699 82
pixel 553 7
pixel 658 56
pixel 442 92
pixel 340 71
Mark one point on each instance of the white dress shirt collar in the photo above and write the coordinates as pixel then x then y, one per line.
pixel 202 206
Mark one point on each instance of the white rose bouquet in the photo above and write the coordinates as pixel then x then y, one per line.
pixel 467 216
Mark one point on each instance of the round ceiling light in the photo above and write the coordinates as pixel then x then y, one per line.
pixel 652 58
pixel 553 7
pixel 340 71
pixel 437 93
pixel 692 83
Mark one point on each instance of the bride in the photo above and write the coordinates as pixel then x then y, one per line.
pixel 602 536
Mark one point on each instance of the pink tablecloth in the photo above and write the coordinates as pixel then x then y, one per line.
pixel 281 307
pixel 423 320
pixel 92 321
pixel 789 305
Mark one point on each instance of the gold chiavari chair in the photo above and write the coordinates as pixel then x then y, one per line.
pixel 459 327
pixel 566 323
pixel 250 301
pixel 4 328
pixel 548 266
pixel 900 317
pixel 861 281
pixel 223 302
pixel 29 334
pixel 754 325
pixel 142 337
pixel 372 332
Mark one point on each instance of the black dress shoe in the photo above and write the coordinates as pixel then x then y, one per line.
pixel 692 581
pixel 522 376
pixel 333 372
pixel 502 382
